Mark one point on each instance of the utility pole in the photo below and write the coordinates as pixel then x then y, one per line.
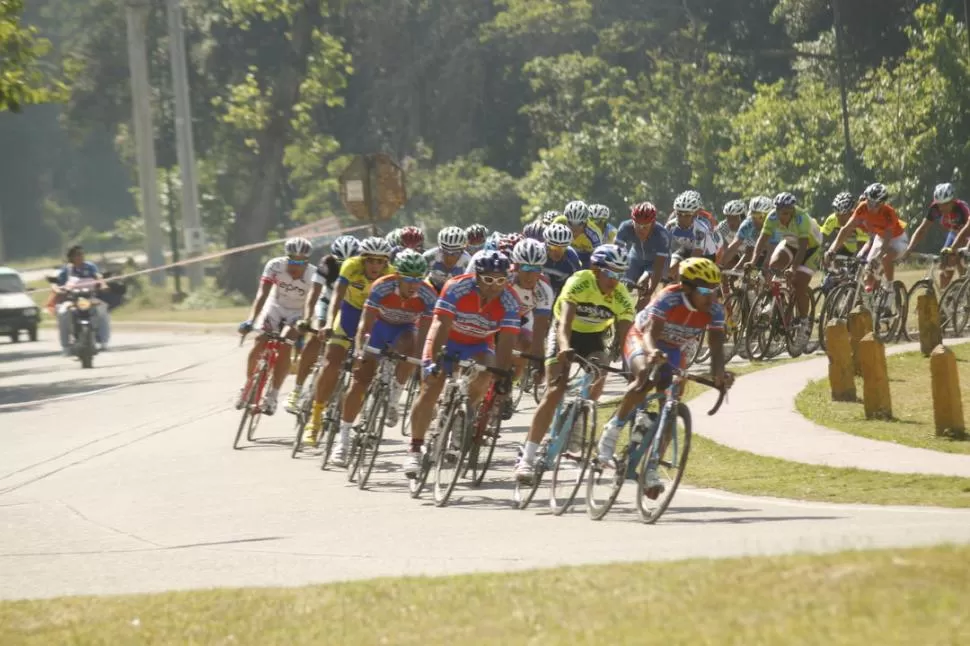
pixel 3 255
pixel 193 234
pixel 844 94
pixel 966 23
pixel 136 15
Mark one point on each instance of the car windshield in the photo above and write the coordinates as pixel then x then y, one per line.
pixel 11 284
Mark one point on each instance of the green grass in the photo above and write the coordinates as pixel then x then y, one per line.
pixel 881 597
pixel 909 386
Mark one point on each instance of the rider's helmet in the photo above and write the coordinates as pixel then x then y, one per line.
pixel 412 237
pixel 610 256
pixel 452 239
pixel 298 247
pixel 760 204
pixel 491 262
pixel 345 247
pixel 534 230
pixel 599 213
pixel 783 200
pixel 844 202
pixel 876 193
pixel 375 246
pixel 735 208
pixel 643 212
pixel 558 234
pixel 549 216
pixel 476 234
pixel 507 243
pixel 688 202
pixel 409 262
pixel 393 237
pixel 699 272
pixel 491 243
pixel 576 213
pixel 944 193
pixel 529 252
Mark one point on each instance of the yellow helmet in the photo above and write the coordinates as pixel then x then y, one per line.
pixel 699 270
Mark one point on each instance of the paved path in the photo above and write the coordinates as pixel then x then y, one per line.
pixel 139 490
pixel 760 417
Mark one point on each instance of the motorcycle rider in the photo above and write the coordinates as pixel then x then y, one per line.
pixel 79 272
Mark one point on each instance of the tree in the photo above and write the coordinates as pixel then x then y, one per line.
pixel 23 77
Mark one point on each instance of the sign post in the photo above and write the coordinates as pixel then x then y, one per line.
pixel 372 188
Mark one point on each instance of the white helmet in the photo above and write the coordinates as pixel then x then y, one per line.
pixel 944 193
pixel 298 247
pixel 760 204
pixel 345 247
pixel 688 202
pixel 599 212
pixel 734 207
pixel 452 239
pixel 529 252
pixel 375 246
pixel 558 234
pixel 611 256
pixel 877 193
pixel 576 213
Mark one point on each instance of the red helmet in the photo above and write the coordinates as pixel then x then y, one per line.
pixel 507 243
pixel 412 237
pixel 643 212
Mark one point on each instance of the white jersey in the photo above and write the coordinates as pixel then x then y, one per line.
pixel 288 293
pixel 726 234
pixel 699 237
pixel 438 274
pixel 539 299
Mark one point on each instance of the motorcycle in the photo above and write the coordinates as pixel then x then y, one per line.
pixel 83 303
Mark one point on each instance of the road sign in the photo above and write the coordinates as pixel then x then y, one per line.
pixel 372 187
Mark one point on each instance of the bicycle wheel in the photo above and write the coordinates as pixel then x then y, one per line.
pixel 572 461
pixel 452 450
pixel 604 482
pixel 250 410
pixel 523 494
pixel 760 331
pixel 911 320
pixel 732 309
pixel 888 316
pixel 414 385
pixel 330 425
pixel 814 331
pixel 370 439
pixel 948 307
pixel 488 423
pixel 669 451
pixel 960 307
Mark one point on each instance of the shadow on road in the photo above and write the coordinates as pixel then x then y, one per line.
pixel 744 520
pixel 31 353
pixel 33 395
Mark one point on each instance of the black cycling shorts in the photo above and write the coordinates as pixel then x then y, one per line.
pixel 585 344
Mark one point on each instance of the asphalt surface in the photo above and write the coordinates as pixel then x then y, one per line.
pixel 137 489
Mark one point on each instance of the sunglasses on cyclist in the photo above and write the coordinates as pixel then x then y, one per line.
pixel 609 273
pixel 413 280
pixel 528 268
pixel 297 262
pixel 493 280
pixel 705 291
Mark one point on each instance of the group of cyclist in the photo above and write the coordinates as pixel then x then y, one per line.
pixel 559 289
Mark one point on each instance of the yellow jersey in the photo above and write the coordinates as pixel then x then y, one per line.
pixel 595 311
pixel 358 286
pixel 584 243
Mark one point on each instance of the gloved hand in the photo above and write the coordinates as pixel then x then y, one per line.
pixel 302 325
pixel 429 368
pixel 245 327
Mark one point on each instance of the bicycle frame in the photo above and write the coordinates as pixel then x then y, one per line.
pixel 267 359
pixel 561 420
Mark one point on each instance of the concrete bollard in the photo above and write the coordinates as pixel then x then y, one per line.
pixel 841 369
pixel 945 384
pixel 875 379
pixel 860 324
pixel 928 315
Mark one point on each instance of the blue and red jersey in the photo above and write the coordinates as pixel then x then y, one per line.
pixel 394 309
pixel 475 321
pixel 955 220
pixel 681 322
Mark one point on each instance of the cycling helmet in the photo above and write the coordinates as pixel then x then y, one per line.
pixel 412 237
pixel 735 208
pixel 611 256
pixel 785 199
pixel 491 243
pixel 452 239
pixel 475 235
pixel 393 237
pixel 374 246
pixel 695 195
pixel 534 230
pixel 576 212
pixel 409 262
pixel 558 234
pixel 844 202
pixel 688 202
pixel 549 216
pixel 507 242
pixel 599 212
pixel 944 193
pixel 643 212
pixel 877 193
pixel 699 272
pixel 345 247
pixel 491 262
pixel 298 247
pixel 760 204
pixel 529 252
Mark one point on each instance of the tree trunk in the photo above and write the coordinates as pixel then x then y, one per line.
pixel 258 214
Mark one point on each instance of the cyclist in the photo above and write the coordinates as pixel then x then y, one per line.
pixel 283 287
pixel 471 310
pixel 592 301
pixel 649 249
pixel 675 318
pixel 412 238
pixel 881 221
pixel 397 314
pixel 599 215
pixel 954 216
pixel 748 233
pixel 727 230
pixel 476 235
pixel 536 299
pixel 797 254
pixel 317 303
pixel 549 217
pixel 690 235
pixel 586 236
pixel 844 204
pixel 562 261
pixel 353 285
pixel 449 258
pixel 535 230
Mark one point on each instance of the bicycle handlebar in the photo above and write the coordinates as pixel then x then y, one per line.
pixel 595 366
pixel 390 354
pixel 704 380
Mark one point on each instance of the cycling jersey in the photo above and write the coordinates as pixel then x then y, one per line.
pixel 438 274
pixel 475 322
pixel 288 293
pixel 557 271
pixel 391 307
pixel 852 244
pixel 585 242
pixel 800 226
pixel 682 324
pixel 749 232
pixel 698 237
pixel 595 311
pixel 643 253
pixel 881 221
pixel 539 300
pixel 955 220
pixel 609 233
pixel 352 275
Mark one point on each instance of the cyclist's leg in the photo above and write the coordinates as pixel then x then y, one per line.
pixel 635 359
pixel 949 262
pixel 802 278
pixel 555 389
pixel 333 359
pixel 282 369
pixel 895 247
pixel 781 257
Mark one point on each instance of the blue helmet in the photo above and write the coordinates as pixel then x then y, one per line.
pixel 491 243
pixel 492 262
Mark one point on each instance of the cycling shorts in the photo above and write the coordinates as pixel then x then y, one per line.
pixel 897 245
pixel 585 344
pixel 273 317
pixel 384 334
pixel 458 351
pixel 810 263
pixel 345 324
pixel 676 357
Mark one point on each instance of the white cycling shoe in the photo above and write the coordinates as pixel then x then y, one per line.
pixel 412 464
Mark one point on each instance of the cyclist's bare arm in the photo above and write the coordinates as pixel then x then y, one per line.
pixel 438 334
pixel 730 252
pixel 367 320
pixel 261 295
pixel 843 235
pixel 962 236
pixel 715 340
pixel 310 304
pixel 622 327
pixel 659 265
pixel 423 325
pixel 759 247
pixel 918 236
pixel 339 291
pixel 566 324
pixel 540 327
pixel 503 350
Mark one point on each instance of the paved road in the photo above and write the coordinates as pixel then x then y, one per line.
pixel 138 490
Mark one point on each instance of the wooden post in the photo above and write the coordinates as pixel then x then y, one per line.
pixel 875 378
pixel 945 384
pixel 841 370
pixel 860 324
pixel 928 313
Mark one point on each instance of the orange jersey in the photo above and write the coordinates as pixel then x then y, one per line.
pixel 881 221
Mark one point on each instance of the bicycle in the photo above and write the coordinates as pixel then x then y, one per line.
pixel 744 286
pixel 647 450
pixel 887 305
pixel 414 385
pixel 449 442
pixel 842 271
pixel 304 407
pixel 367 434
pixel 960 308
pixel 330 422
pixel 256 384
pixel 772 316
pixel 568 460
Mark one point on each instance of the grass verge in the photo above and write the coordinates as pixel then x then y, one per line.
pixel 885 597
pixel 912 405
